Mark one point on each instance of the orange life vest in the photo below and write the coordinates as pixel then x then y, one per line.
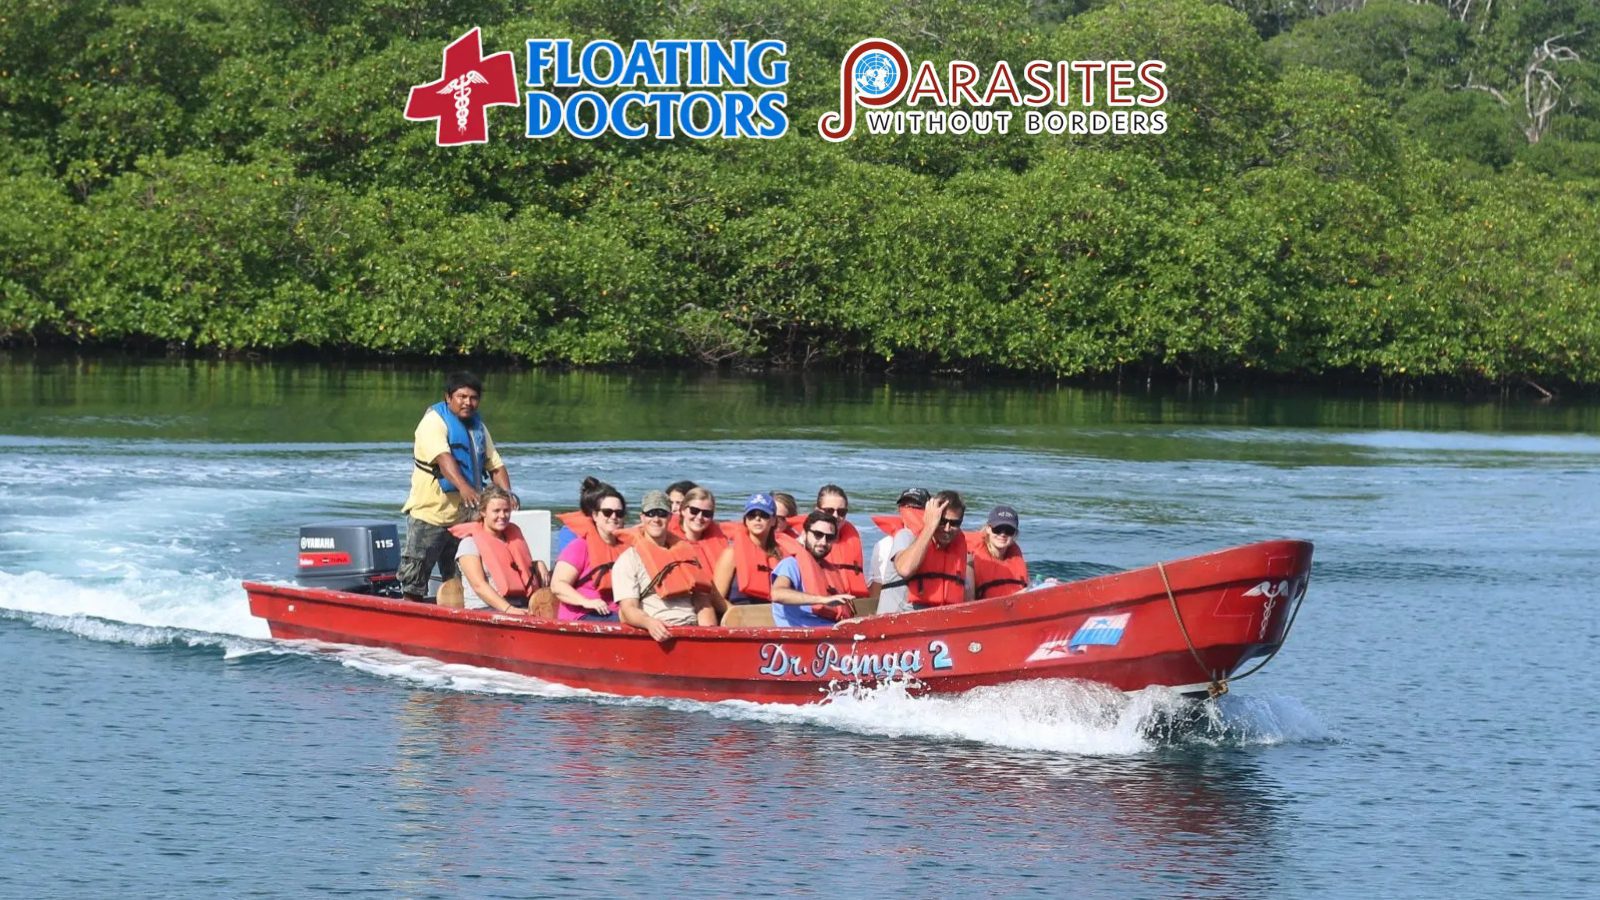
pixel 941 580
pixel 845 555
pixel 754 566
pixel 675 570
pixel 908 517
pixel 821 577
pixel 710 547
pixel 507 560
pixel 602 556
pixel 995 577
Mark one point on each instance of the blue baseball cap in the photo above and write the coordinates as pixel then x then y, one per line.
pixel 760 503
pixel 1004 515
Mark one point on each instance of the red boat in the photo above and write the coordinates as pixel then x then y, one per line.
pixel 1190 624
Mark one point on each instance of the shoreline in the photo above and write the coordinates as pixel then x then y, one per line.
pixel 1130 379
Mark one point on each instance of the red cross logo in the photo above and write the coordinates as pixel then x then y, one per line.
pixel 468 86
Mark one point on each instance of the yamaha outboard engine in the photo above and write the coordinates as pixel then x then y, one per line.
pixel 359 557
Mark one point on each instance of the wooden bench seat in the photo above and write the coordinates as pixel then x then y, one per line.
pixel 759 615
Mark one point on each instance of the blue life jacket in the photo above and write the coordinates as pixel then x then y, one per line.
pixel 468 442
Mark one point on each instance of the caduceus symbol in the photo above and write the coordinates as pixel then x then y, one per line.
pixel 461 86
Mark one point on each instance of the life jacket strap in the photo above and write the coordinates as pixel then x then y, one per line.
pixel 527 579
pixel 594 574
pixel 662 575
pixel 982 589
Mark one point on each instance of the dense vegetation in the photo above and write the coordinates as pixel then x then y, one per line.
pixel 1384 188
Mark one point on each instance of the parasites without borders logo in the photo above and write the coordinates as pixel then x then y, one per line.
pixel 646 107
pixel 467 86
pixel 876 74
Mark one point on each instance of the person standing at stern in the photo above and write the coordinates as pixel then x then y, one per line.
pixel 454 458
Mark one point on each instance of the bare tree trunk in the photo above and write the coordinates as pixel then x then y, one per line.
pixel 1541 91
pixel 1541 86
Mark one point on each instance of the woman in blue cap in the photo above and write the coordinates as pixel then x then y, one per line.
pixel 744 571
pixel 998 569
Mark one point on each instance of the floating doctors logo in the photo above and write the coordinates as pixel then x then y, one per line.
pixel 658 89
pixel 468 85
pixel 961 97
pixel 647 89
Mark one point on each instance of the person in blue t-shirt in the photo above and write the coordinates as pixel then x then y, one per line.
pixel 807 590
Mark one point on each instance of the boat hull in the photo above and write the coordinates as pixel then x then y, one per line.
pixel 1115 629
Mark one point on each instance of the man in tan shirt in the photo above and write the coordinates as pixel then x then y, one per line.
pixel 640 605
pixel 453 457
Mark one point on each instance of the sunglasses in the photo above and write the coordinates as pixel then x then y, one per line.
pixel 757 514
pixel 701 513
pixel 656 514
pixel 837 511
pixel 822 535
pixel 1004 530
pixel 615 512
pixel 951 523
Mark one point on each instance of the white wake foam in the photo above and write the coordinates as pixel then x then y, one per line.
pixel 194 609
pixel 1059 717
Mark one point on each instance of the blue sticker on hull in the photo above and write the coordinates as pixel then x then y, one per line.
pixel 1099 630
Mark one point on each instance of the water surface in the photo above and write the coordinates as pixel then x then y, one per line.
pixel 1426 732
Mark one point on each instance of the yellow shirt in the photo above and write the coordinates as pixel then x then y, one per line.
pixel 427 501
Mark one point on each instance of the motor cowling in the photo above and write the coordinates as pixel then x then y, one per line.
pixel 359 557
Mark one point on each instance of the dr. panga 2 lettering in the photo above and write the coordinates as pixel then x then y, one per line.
pixel 778 661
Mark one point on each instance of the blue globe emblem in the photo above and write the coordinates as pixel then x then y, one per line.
pixel 876 74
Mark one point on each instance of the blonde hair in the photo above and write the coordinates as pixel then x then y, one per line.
pixel 492 492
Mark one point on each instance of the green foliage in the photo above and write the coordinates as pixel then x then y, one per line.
pixel 1217 77
pixel 1343 198
pixel 1397 48
pixel 1473 82
pixel 1463 125
pixel 35 224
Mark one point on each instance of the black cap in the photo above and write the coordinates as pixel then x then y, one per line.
pixel 917 497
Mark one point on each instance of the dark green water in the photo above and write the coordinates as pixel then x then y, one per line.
pixel 186 400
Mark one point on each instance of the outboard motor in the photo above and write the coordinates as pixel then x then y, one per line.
pixel 359 557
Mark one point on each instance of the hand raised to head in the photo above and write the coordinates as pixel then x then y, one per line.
pixel 933 514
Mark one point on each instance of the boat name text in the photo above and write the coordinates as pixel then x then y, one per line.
pixel 779 661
